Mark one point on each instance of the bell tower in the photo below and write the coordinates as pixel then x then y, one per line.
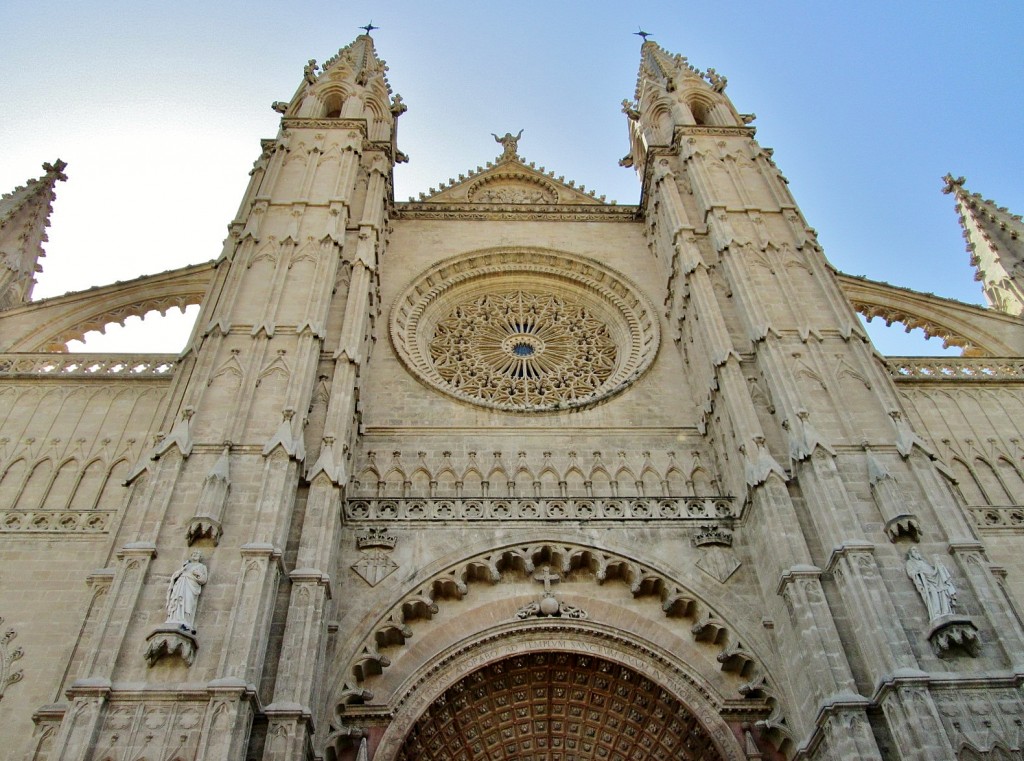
pixel 248 475
pixel 798 408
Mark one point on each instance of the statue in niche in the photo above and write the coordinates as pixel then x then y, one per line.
pixel 183 593
pixel 510 144
pixel 934 584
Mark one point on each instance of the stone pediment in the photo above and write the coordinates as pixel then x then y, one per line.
pixel 509 181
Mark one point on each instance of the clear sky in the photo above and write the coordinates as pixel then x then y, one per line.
pixel 158 108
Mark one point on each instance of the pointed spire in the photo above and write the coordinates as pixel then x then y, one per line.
pixel 24 217
pixel 995 241
pixel 659 66
pixel 672 94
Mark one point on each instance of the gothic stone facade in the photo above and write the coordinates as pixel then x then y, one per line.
pixel 509 472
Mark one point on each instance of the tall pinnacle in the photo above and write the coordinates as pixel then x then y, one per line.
pixel 995 241
pixel 24 217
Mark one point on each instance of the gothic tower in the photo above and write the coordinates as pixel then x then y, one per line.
pixel 511 472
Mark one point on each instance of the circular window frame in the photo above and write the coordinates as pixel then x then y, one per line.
pixel 630 318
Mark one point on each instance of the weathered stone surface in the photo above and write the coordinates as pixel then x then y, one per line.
pixel 511 472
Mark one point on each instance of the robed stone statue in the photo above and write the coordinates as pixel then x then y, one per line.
pixel 184 590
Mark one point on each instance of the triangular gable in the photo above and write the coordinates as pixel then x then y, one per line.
pixel 511 182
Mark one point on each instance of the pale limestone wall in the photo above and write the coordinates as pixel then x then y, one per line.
pixel 975 429
pixel 392 397
pixel 65 449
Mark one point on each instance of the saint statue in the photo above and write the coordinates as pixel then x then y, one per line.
pixel 933 583
pixel 184 590
pixel 510 143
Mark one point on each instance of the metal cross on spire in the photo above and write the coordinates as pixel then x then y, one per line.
pixel 642 34
pixel 369 27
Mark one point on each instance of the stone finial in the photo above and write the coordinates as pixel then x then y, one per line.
pixel 952 184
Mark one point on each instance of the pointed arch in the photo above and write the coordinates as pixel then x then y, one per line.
pixel 61 486
pixel 87 488
pixel 1012 480
pixel 967 483
pixel 34 489
pixel 113 491
pixel 11 482
pixel 989 481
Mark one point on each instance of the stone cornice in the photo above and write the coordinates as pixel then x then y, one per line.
pixel 690 130
pixel 516 212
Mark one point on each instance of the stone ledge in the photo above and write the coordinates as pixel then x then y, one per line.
pixel 504 509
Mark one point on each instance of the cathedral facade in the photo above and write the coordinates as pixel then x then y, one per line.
pixel 509 472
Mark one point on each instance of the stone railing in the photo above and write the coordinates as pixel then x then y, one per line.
pixel 58 365
pixel 997 517
pixel 543 509
pixel 955 368
pixel 55 521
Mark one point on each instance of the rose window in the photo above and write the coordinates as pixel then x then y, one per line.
pixel 524 349
pixel 524 330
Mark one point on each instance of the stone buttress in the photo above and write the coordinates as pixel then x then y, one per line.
pixel 800 413
pixel 238 474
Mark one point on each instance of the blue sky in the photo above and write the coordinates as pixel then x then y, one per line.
pixel 159 108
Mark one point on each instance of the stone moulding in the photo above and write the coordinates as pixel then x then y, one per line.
pixel 998 518
pixel 503 509
pixel 581 286
pixel 56 521
pixel 60 365
pixel 915 370
pixel 519 212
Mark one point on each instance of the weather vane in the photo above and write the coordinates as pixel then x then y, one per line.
pixel 642 34
pixel 369 27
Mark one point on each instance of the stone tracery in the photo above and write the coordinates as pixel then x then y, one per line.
pixel 523 349
pixel 524 330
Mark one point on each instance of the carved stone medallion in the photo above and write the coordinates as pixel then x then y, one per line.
pixel 524 330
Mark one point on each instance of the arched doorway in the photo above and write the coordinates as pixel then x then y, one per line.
pixel 556 706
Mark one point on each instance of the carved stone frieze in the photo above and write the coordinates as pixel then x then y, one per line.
pixel 520 212
pixel 54 365
pixel 1008 518
pixel 955 369
pixel 56 521
pixel 675 509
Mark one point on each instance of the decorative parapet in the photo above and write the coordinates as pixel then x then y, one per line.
pixel 543 509
pixel 1002 517
pixel 916 369
pixel 518 212
pixel 61 365
pixel 56 521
